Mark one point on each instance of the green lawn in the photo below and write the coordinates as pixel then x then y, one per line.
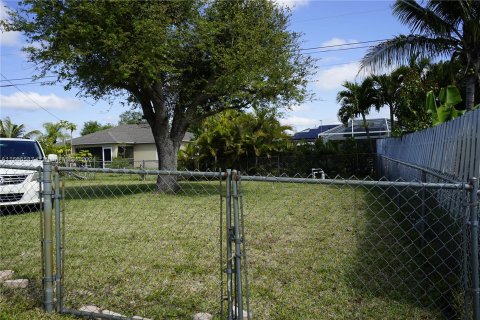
pixel 314 252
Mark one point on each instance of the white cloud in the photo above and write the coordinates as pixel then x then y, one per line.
pixel 337 42
pixel 292 4
pixel 299 122
pixel 332 78
pixel 33 101
pixel 11 38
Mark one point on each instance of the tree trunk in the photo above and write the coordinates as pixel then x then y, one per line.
pixel 167 151
pixel 470 92
pixel 391 118
pixel 365 125
pixel 167 133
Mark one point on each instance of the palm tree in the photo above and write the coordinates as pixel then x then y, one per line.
pixel 53 131
pixel 387 87
pixel 8 129
pixel 439 29
pixel 356 100
pixel 70 126
pixel 267 135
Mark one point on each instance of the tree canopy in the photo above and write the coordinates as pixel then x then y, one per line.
pixel 131 117
pixel 93 126
pixel 181 61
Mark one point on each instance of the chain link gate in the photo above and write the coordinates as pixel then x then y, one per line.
pixel 195 194
pixel 407 247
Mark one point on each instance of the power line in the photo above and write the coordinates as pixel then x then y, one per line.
pixel 340 49
pixel 29 78
pixel 342 45
pixel 14 85
pixel 20 84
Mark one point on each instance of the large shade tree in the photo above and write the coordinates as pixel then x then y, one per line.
pixel 439 29
pixel 180 61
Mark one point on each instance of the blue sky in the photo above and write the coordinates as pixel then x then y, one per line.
pixel 323 23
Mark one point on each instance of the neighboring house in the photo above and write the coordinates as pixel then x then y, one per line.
pixel 310 135
pixel 129 141
pixel 378 128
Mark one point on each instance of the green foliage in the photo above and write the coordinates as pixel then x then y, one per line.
pixel 131 117
pixel 448 98
pixel 54 133
pixel 8 129
pixel 438 29
pixel 181 61
pixel 228 137
pixel 357 100
pixel 82 155
pixel 120 163
pixel 410 96
pixel 404 90
pixel 93 126
pixel 257 143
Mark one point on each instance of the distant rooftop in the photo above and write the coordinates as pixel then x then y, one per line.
pixel 122 134
pixel 378 128
pixel 312 134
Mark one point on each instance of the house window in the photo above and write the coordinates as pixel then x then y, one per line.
pixel 125 152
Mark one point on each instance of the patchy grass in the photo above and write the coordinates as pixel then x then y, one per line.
pixel 137 252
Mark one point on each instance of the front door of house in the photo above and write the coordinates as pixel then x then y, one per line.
pixel 107 156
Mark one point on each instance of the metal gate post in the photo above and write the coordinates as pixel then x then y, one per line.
pixel 474 249
pixel 47 238
pixel 238 254
pixel 58 265
pixel 244 248
pixel 229 269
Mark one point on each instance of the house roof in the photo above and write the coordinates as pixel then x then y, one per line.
pixel 312 134
pixel 378 128
pixel 122 134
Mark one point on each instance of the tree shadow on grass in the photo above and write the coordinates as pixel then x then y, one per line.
pixel 407 251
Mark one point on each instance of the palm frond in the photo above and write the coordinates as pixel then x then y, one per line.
pixel 400 49
pixel 421 19
pixel 452 12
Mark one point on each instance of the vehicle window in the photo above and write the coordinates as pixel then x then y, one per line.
pixel 19 150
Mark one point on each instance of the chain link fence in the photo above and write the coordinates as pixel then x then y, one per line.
pixel 134 250
pixel 151 244
pixel 21 234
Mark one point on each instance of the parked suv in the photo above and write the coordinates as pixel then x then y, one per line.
pixel 19 186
